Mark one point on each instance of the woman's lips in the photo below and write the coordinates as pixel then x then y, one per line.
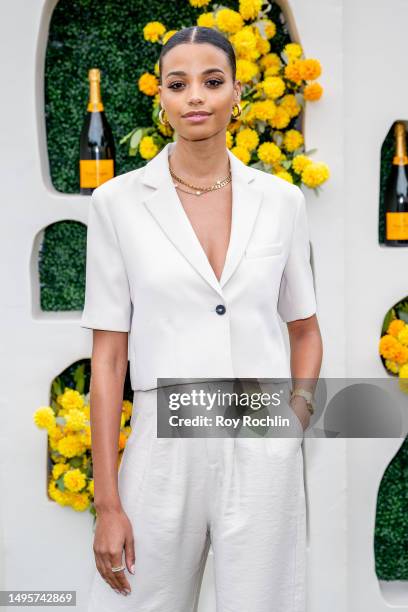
pixel 196 118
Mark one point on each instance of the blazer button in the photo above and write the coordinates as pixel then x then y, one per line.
pixel 220 309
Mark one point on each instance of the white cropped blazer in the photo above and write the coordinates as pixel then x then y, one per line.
pixel 147 274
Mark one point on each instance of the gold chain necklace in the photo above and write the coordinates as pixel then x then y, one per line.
pixel 200 190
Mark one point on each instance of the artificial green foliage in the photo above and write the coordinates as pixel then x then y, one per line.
pixel 391 525
pixel 61 266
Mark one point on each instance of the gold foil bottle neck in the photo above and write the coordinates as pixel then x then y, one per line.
pixel 400 157
pixel 95 101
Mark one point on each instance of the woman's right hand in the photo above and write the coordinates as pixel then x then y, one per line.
pixel 114 533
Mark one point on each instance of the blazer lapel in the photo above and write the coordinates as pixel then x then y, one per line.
pixel 165 206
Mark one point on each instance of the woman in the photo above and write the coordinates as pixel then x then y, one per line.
pixel 195 255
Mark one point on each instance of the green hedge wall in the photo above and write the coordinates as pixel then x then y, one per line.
pixel 391 526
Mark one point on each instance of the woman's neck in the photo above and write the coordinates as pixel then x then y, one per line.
pixel 202 160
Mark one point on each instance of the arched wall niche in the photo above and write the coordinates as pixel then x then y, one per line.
pixel 57 271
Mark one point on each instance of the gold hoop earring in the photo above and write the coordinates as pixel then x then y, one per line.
pixel 163 121
pixel 238 106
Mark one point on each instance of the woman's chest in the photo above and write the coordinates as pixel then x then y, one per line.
pixel 209 216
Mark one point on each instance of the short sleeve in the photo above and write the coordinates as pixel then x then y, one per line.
pixel 296 294
pixel 107 295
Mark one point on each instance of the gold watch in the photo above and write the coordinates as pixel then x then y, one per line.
pixel 307 395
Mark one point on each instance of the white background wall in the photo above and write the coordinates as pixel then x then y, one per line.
pixel 363 52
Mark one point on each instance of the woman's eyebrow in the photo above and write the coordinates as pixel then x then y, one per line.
pixel 182 73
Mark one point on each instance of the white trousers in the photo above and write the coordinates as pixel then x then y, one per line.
pixel 243 496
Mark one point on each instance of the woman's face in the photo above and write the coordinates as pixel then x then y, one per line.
pixel 198 78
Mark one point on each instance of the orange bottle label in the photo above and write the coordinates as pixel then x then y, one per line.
pixel 397 225
pixel 94 172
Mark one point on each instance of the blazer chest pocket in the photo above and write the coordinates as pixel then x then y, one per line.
pixel 264 250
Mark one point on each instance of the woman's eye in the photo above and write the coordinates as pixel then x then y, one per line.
pixel 216 83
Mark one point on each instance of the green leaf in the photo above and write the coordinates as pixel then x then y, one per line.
pixel 136 138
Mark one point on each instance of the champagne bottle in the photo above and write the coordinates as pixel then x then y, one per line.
pixel 396 194
pixel 97 148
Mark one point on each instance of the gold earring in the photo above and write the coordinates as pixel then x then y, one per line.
pixel 238 106
pixel 163 121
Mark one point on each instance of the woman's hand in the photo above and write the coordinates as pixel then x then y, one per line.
pixel 113 534
pixel 299 407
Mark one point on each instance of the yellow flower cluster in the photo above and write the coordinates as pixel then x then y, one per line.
pixel 153 31
pixel 199 3
pixel 147 147
pixel 393 347
pixel 249 9
pixel 148 84
pixel 69 436
pixel 275 86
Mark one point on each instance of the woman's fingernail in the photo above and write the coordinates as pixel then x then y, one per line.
pixel 132 568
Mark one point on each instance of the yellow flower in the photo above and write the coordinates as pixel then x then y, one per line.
pixel 291 105
pixel 246 70
pixel 263 46
pixel 168 35
pixel 293 51
pixel 244 43
pixel 283 174
pixel 44 417
pixel 71 445
pixel 166 130
pixel 74 480
pixel 247 138
pixel 292 140
pixel 228 21
pixel 59 469
pixel 156 71
pixel 206 20
pixel 122 440
pixel 273 87
pixel 153 31
pixel 403 378
pixel 280 119
pixel 229 139
pixel 71 398
pixel 86 437
pixel 249 9
pixel 403 335
pixel 242 154
pixel 392 366
pixel 268 27
pixel 264 109
pixel 315 173
pixel 387 346
pixel 53 490
pixel 148 84
pixel 79 501
pixel 269 153
pixel 313 92
pixel 292 72
pixel 199 3
pixel 309 69
pixel 91 487
pixel 395 327
pixel 300 162
pixel 127 408
pixel 75 420
pixel 147 147
pixel 270 63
